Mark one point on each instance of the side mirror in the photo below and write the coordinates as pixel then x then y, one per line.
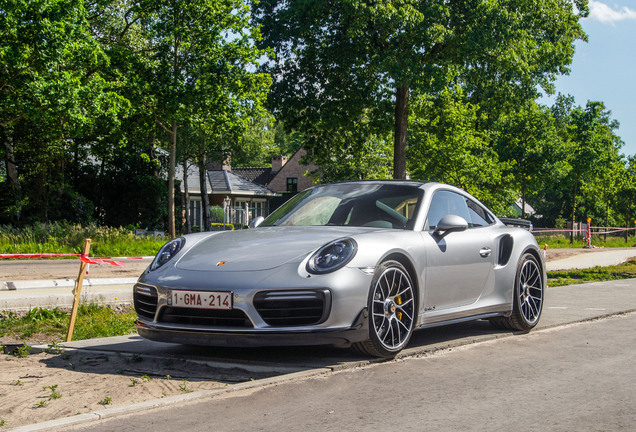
pixel 448 224
pixel 256 221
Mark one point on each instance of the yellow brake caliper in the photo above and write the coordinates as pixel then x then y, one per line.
pixel 398 301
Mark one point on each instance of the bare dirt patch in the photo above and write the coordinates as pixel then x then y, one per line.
pixel 557 254
pixel 87 382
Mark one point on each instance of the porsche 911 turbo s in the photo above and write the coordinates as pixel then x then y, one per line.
pixel 356 264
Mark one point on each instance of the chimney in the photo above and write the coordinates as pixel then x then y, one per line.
pixel 213 165
pixel 278 162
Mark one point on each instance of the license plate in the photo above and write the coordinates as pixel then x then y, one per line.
pixel 201 300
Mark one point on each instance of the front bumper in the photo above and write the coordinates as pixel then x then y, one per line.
pixel 340 337
pixel 259 316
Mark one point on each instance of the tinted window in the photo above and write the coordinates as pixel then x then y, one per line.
pixel 445 203
pixel 478 215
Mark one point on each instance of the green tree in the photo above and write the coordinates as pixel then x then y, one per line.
pixel 626 198
pixel 593 156
pixel 447 147
pixel 200 64
pixel 528 142
pixel 340 64
pixel 48 76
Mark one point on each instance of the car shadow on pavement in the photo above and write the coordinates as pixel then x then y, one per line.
pixel 273 361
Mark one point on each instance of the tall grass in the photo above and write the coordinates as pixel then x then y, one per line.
pixel 63 237
pixel 93 321
pixel 563 241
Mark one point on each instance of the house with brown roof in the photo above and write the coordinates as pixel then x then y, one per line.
pixel 246 193
pixel 284 176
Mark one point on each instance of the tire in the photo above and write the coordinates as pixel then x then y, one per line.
pixel 527 301
pixel 392 306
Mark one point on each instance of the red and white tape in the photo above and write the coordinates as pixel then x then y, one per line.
pixel 95 260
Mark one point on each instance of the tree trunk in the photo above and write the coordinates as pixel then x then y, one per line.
pixel 100 203
pixel 205 201
pixel 186 198
pixel 12 173
pixel 401 126
pixel 171 164
pixel 12 170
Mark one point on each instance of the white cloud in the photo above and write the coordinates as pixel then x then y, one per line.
pixel 604 13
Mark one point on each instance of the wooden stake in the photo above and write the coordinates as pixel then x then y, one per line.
pixel 77 290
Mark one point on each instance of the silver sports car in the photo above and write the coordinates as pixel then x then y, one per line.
pixel 360 264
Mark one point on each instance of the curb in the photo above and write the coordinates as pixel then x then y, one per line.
pixel 62 283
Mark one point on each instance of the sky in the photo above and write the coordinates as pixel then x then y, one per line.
pixel 604 68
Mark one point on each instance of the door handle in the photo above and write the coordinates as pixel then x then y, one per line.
pixel 485 252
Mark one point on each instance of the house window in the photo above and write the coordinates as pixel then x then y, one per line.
pixel 292 184
pixel 256 209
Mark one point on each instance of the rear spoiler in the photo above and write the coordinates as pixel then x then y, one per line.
pixel 519 223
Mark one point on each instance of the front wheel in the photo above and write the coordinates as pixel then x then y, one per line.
pixel 527 296
pixel 392 311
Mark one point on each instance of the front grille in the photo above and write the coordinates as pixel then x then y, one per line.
pixel 293 308
pixel 145 301
pixel 204 317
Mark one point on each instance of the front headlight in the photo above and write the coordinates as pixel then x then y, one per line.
pixel 167 252
pixel 332 256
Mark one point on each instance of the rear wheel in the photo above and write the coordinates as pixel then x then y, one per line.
pixel 392 311
pixel 527 297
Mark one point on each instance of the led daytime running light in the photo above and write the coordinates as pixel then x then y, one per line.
pixel 332 256
pixel 167 252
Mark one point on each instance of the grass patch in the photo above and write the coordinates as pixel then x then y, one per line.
pixel 95 321
pixel 626 270
pixel 562 241
pixel 51 325
pixel 62 237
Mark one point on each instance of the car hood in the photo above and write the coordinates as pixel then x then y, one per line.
pixel 259 249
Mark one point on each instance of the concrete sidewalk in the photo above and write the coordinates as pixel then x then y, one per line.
pixel 27 299
pixel 63 283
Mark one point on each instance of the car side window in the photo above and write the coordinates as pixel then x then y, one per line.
pixel 444 203
pixel 478 215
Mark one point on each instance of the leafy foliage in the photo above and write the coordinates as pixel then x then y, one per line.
pixel 99 99
pixel 352 65
pixel 447 148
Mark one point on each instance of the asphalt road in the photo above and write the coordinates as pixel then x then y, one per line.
pixel 578 377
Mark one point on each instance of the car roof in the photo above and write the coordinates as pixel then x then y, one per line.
pixel 416 183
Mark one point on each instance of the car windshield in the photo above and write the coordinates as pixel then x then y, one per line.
pixel 351 204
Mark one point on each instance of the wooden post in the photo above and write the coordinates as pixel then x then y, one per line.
pixel 77 290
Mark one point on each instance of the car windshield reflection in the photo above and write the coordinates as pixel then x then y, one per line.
pixel 362 205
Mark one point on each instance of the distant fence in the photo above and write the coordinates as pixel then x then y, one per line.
pixel 587 231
